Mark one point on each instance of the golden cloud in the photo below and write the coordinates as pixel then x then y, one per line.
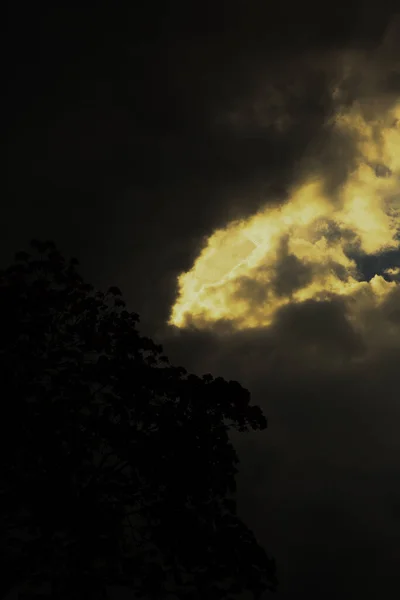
pixel 304 249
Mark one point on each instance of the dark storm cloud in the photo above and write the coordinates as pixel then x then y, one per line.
pixel 291 274
pixel 319 325
pixel 255 292
pixel 322 486
pixel 132 139
pixel 173 125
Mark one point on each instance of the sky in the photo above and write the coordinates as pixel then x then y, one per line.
pixel 234 168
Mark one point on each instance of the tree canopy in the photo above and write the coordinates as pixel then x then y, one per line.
pixel 117 467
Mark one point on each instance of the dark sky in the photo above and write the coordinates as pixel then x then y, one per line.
pixel 133 134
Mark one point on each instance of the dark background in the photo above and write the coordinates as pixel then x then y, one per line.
pixel 121 148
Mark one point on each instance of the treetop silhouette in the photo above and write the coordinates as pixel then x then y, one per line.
pixel 117 467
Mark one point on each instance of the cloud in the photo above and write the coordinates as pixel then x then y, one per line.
pixel 272 119
pixel 343 202
pixel 393 271
pixel 303 248
pixel 321 487
pixel 300 301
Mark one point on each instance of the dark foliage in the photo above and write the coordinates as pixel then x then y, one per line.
pixel 116 467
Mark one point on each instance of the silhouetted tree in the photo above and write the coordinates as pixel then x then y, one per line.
pixel 116 467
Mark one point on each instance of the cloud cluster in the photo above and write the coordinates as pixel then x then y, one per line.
pixel 306 248
pixel 300 301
